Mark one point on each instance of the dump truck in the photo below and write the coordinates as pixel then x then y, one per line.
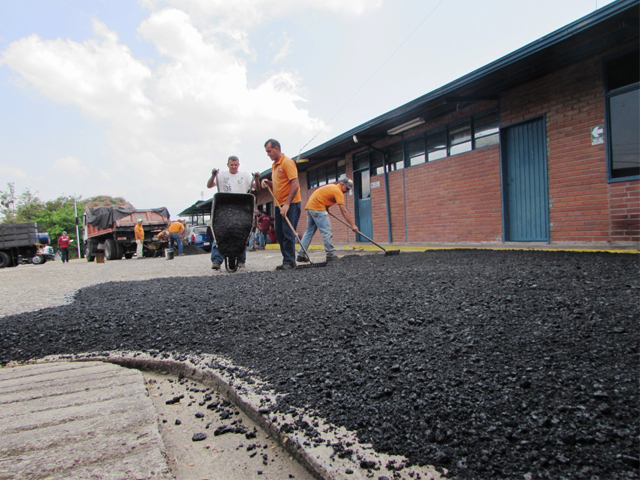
pixel 20 244
pixel 109 230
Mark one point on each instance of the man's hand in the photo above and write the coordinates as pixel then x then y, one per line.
pixel 214 172
pixel 284 209
pixel 266 183
pixel 355 229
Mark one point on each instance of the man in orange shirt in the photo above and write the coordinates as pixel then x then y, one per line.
pixel 318 217
pixel 286 188
pixel 138 231
pixel 176 230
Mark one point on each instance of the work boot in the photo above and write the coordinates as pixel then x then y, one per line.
pixel 302 258
pixel 215 266
pixel 285 266
pixel 240 265
pixel 332 258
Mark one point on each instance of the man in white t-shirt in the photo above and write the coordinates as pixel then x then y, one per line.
pixel 232 181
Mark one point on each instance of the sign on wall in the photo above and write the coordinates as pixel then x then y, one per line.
pixel 597 135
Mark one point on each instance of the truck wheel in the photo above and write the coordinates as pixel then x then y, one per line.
pixel 110 249
pixel 88 252
pixel 5 260
pixel 38 260
pixel 119 251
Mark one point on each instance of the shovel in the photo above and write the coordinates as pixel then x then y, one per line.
pixel 311 264
pixel 386 252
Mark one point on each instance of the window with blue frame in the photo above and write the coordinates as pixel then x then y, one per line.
pixel 325 174
pixel 416 153
pixel 395 157
pixel 460 138
pixel 486 130
pixel 436 145
pixel 623 115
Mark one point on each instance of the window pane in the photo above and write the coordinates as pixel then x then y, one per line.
pixel 376 164
pixel 437 145
pixel 460 138
pixel 416 151
pixel 624 111
pixel 362 160
pixel 342 168
pixel 331 173
pixel 322 176
pixel 312 176
pixel 396 157
pixel 486 130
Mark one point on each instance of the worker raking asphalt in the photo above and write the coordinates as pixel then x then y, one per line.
pixel 489 364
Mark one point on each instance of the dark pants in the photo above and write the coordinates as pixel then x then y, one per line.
pixel 285 236
pixel 64 255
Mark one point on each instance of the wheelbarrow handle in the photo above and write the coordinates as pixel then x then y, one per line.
pixel 359 232
pixel 290 226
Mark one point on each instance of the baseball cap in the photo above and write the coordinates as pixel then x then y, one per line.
pixel 347 182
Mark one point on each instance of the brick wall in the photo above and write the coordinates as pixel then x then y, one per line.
pixel 583 206
pixel 458 198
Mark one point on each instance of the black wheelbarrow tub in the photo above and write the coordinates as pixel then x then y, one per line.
pixel 231 222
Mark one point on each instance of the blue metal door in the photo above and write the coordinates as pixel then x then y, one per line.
pixel 525 189
pixel 362 188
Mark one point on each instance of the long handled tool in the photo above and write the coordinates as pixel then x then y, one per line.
pixel 311 264
pixel 386 252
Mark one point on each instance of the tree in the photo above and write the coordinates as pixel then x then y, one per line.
pixel 7 203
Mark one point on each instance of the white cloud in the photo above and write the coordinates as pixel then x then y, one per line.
pixel 8 171
pixel 71 166
pixel 284 48
pixel 169 122
pixel 243 14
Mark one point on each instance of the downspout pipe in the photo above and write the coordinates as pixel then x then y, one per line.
pixel 386 184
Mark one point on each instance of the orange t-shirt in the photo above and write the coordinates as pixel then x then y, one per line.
pixel 139 231
pixel 326 196
pixel 176 227
pixel 282 173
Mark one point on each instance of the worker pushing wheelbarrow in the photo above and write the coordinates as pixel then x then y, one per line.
pixel 231 223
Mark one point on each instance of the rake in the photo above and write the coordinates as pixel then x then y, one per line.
pixel 386 252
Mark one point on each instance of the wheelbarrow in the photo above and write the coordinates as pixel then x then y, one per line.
pixel 231 223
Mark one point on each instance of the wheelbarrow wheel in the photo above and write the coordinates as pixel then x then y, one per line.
pixel 231 263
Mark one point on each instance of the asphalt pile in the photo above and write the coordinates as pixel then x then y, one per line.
pixel 490 364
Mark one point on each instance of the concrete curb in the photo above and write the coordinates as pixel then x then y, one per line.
pixel 314 447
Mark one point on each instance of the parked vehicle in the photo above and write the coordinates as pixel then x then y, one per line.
pixel 46 251
pixel 109 230
pixel 19 244
pixel 200 236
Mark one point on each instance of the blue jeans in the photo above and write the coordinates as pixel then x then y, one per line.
pixel 260 239
pixel 216 256
pixel 174 238
pixel 318 220
pixel 285 236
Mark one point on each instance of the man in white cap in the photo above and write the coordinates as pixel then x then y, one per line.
pixel 318 217
pixel 139 233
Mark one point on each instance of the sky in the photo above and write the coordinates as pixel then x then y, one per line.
pixel 142 98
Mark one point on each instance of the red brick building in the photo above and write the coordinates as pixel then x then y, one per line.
pixel 541 145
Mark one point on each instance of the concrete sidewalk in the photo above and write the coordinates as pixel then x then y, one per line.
pixel 78 420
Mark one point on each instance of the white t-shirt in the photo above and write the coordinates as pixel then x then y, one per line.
pixel 238 183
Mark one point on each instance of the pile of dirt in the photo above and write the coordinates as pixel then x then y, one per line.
pixel 504 364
